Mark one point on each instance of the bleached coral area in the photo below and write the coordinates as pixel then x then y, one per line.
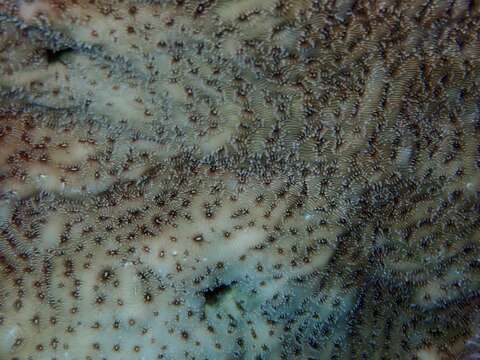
pixel 239 179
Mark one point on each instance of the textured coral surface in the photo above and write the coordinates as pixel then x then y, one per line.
pixel 239 179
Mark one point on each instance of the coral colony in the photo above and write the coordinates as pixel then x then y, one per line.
pixel 239 179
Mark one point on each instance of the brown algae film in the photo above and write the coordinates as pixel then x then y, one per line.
pixel 277 179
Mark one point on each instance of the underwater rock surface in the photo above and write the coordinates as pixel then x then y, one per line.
pixel 221 179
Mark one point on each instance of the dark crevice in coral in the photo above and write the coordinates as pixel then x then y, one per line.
pixel 54 56
pixel 215 294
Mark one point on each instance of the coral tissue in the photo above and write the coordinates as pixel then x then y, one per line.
pixel 239 179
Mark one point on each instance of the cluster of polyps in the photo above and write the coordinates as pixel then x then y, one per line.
pixel 238 179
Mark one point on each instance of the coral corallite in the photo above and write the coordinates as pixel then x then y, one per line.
pixel 239 179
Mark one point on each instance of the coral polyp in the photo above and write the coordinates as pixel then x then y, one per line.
pixel 278 179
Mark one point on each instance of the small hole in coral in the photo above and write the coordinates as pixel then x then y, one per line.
pixel 54 56
pixel 214 295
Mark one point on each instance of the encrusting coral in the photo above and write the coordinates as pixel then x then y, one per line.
pixel 220 179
